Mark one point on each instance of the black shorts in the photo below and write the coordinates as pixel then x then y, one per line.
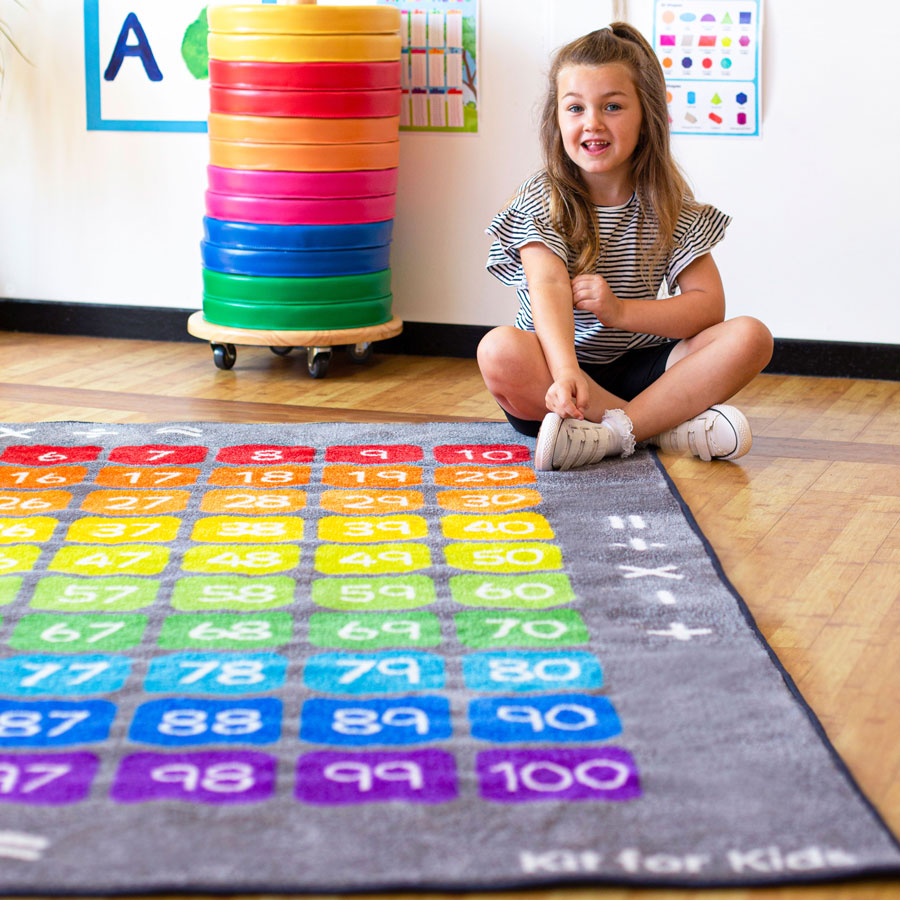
pixel 625 377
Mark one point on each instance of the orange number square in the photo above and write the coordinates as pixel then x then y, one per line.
pixel 250 502
pixel 129 477
pixel 481 477
pixel 371 502
pixel 285 475
pixel 29 502
pixel 14 477
pixel 135 503
pixel 372 476
pixel 489 501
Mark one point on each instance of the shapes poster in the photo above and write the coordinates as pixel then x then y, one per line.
pixel 710 51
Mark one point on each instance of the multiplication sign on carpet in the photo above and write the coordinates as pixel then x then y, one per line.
pixel 337 657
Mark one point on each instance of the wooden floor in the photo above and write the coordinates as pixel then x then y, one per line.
pixel 807 525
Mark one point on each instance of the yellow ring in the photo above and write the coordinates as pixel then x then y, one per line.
pixel 281 130
pixel 304 48
pixel 304 157
pixel 305 19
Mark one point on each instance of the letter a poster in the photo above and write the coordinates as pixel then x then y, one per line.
pixel 710 52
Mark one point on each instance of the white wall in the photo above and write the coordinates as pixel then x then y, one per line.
pixel 114 217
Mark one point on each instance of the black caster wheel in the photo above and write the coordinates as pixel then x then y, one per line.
pixel 317 360
pixel 224 355
pixel 360 353
pixel 281 351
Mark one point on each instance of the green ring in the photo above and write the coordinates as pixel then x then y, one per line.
pixel 290 317
pixel 260 289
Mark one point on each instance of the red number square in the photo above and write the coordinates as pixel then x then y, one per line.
pixel 491 454
pixel 374 453
pixel 40 455
pixel 158 455
pixel 265 454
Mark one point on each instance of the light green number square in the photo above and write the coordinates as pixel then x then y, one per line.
pixel 226 631
pixel 512 628
pixel 106 594
pixel 232 592
pixel 70 633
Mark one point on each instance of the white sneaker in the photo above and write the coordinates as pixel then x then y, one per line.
pixel 720 432
pixel 569 443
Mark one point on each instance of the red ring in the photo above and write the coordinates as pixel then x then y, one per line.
pixel 306 104
pixel 311 76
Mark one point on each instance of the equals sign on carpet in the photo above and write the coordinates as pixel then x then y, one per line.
pixel 18 845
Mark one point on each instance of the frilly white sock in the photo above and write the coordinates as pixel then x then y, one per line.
pixel 622 432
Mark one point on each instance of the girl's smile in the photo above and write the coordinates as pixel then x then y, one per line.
pixel 600 118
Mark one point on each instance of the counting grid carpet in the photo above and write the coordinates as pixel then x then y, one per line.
pixel 335 657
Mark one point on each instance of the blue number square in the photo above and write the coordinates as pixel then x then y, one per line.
pixel 510 670
pixel 407 720
pixel 215 673
pixel 178 722
pixel 374 673
pixel 29 676
pixel 54 723
pixel 553 717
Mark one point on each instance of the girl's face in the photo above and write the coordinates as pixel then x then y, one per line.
pixel 600 117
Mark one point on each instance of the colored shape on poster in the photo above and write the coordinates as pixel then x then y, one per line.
pixel 726 41
pixel 708 17
pixel 667 40
pixel 744 41
pixel 716 100
pixel 715 118
pixel 687 17
pixel 691 97
pixel 667 62
pixel 707 63
pixel 741 98
pixel 687 40
pixel 742 118
pixel 726 63
pixel 727 20
pixel 690 118
pixel 687 62
pixel 668 16
pixel 707 40
pixel 746 18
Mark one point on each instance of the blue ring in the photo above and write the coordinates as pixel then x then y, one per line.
pixel 297 237
pixel 296 263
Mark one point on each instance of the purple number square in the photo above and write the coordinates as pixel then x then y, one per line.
pixel 337 779
pixel 218 778
pixel 46 779
pixel 527 776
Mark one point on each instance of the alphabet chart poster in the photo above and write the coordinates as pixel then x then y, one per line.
pixel 710 51
pixel 440 63
pixel 298 658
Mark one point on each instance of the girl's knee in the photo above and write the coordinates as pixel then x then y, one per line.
pixel 755 339
pixel 500 347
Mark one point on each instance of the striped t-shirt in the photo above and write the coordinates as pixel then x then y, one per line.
pixel 527 220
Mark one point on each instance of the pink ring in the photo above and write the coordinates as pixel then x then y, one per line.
pixel 269 211
pixel 299 185
pixel 314 76
pixel 306 104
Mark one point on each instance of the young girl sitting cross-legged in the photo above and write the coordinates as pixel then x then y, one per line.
pixel 595 361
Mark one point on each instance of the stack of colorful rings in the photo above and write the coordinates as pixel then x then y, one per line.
pixel 303 128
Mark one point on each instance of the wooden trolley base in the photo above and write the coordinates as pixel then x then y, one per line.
pixel 318 344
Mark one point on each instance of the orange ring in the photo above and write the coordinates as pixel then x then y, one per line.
pixel 279 130
pixel 304 47
pixel 304 157
pixel 306 19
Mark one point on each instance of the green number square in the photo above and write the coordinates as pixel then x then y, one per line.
pixel 370 631
pixel 226 631
pixel 514 628
pixel 9 587
pixel 362 594
pixel 539 591
pixel 95 594
pixel 197 593
pixel 74 633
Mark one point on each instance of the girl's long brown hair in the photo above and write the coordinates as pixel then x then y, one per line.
pixel 659 184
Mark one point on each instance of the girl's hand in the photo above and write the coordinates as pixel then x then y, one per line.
pixel 568 395
pixel 592 293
